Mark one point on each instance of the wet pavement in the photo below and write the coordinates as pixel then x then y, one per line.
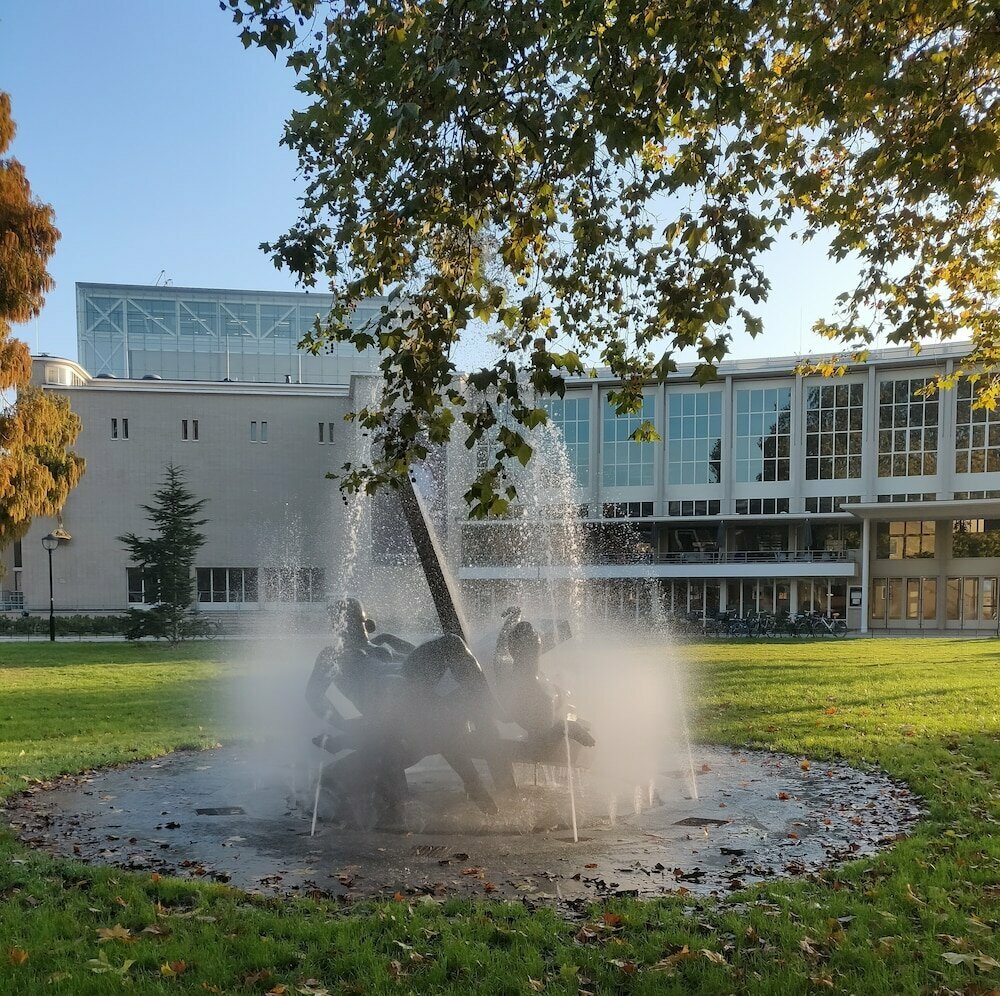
pixel 214 815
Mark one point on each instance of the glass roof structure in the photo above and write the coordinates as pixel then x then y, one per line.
pixel 185 333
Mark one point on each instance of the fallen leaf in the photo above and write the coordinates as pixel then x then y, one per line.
pixel 784 796
pixel 171 969
pixel 713 956
pixel 115 933
pixel 612 919
pixel 804 765
pixel 58 977
pixel 18 956
pixel 831 711
pixel 628 967
pixel 671 961
pixel 593 864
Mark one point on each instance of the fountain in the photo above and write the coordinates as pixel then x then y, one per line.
pixel 450 759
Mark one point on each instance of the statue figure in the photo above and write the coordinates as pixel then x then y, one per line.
pixel 526 696
pixel 404 716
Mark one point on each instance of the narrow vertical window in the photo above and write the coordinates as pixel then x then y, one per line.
pixel 124 428
pixel 114 428
pixel 321 427
pixel 184 428
pixel 329 432
pixel 253 432
pixel 263 432
pixel 194 428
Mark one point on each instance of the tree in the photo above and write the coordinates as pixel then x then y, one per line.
pixel 629 165
pixel 165 559
pixel 37 467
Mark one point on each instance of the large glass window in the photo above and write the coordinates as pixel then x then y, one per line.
pixel 572 417
pixel 977 435
pixel 904 540
pixel 199 318
pixel 975 538
pixel 907 422
pixel 227 584
pixel 151 317
pixel 627 463
pixel 763 425
pixel 239 319
pixel 834 423
pixel 694 437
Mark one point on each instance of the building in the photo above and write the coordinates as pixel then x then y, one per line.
pixel 185 333
pixel 857 496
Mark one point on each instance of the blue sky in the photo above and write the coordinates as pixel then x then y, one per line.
pixel 154 134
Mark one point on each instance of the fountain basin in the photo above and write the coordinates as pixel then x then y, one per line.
pixel 218 815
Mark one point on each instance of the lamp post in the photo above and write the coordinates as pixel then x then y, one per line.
pixel 50 542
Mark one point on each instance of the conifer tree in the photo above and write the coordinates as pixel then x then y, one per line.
pixel 37 467
pixel 165 559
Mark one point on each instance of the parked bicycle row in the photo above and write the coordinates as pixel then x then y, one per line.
pixel 760 624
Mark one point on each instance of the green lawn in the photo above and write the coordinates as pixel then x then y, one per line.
pixel 921 918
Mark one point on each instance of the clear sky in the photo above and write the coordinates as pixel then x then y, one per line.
pixel 154 134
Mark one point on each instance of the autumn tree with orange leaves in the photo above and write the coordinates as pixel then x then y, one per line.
pixel 38 469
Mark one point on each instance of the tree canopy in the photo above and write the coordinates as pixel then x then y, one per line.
pixel 600 182
pixel 37 430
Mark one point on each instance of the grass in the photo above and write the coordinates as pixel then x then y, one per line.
pixel 919 918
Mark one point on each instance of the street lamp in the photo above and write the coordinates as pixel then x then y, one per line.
pixel 50 542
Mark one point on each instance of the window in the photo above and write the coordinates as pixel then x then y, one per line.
pixel 139 592
pixel 878 600
pixel 990 595
pixel 834 423
pixel 258 432
pixel 904 540
pixel 763 441
pixel 907 423
pixel 761 506
pixel 227 584
pixel 628 510
pixel 572 417
pixel 627 463
pixel 975 538
pixel 977 435
pixel 294 584
pixel 826 503
pixel 895 598
pixel 189 429
pixel 18 554
pixel 694 437
pixel 119 428
pixel 325 432
pixel 703 508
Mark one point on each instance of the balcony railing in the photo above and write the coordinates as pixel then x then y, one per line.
pixel 692 557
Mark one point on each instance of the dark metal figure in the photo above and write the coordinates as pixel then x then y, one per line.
pixel 404 717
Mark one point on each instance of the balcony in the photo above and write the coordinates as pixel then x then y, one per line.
pixel 689 564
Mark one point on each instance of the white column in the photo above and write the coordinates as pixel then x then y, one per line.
pixel 866 543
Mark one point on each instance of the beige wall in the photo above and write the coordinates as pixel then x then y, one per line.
pixel 254 489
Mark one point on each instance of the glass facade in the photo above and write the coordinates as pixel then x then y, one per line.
pixel 908 429
pixel 200 334
pixel 572 417
pixel 694 437
pixel 762 436
pixel 977 435
pixel 625 463
pixel 834 436
pixel 904 540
